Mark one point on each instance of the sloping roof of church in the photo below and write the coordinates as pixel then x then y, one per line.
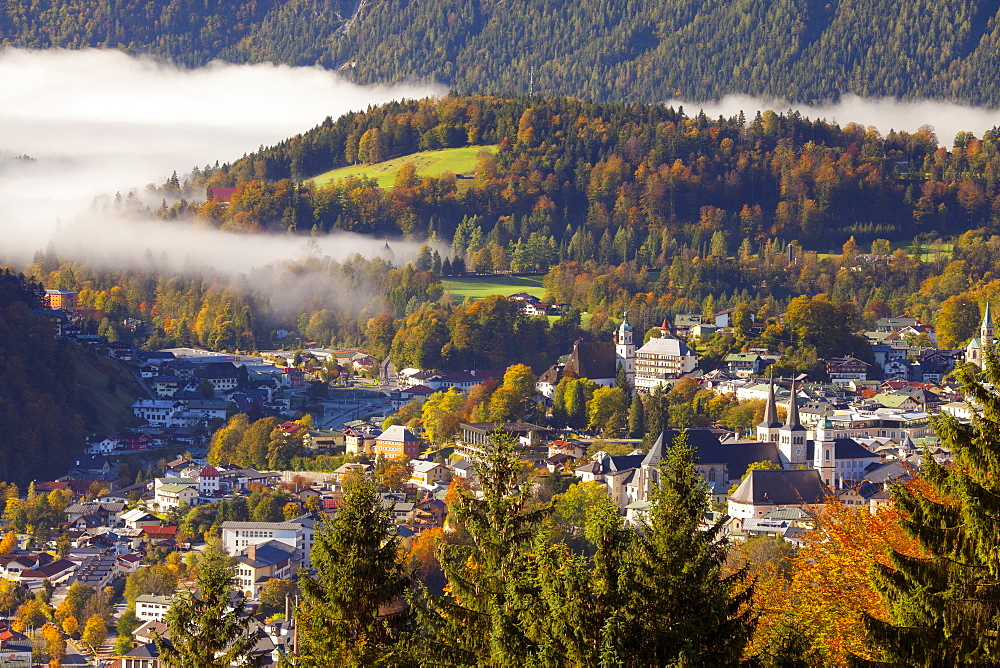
pixel 736 455
pixel 843 448
pixel 781 488
pixel 594 360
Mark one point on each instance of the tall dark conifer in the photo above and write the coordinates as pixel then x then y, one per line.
pixel 352 609
pixel 204 631
pixel 481 619
pixel 687 609
pixel 636 417
pixel 946 607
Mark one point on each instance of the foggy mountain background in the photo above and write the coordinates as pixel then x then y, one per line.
pixel 100 122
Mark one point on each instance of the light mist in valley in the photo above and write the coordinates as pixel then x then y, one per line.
pixel 100 122
pixel 885 114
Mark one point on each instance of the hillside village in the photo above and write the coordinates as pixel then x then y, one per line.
pixel 841 438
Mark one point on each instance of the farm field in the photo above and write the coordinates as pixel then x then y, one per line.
pixel 428 163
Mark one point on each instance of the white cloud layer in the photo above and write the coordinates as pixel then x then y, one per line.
pixel 947 119
pixel 98 122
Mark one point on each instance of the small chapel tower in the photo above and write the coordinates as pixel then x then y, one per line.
pixel 625 349
pixel 825 451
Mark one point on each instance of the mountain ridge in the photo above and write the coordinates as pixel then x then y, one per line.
pixel 636 50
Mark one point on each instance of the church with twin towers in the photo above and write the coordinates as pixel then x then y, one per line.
pixel 824 452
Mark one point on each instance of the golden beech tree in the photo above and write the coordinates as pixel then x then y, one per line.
pixel 8 595
pixel 70 625
pixel 55 644
pixel 830 587
pixel 8 542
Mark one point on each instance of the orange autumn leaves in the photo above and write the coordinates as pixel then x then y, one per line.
pixel 829 587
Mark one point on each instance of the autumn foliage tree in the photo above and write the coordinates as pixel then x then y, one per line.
pixel 943 601
pixel 827 591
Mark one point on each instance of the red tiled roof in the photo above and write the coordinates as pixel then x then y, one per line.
pixel 160 531
pixel 223 194
pixel 209 472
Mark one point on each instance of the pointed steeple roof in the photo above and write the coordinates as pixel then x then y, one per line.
pixel 792 423
pixel 988 315
pixel 907 443
pixel 770 420
pixel 656 452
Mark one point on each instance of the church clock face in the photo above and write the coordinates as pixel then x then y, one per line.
pixel 798 451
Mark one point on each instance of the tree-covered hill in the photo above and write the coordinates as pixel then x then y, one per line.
pixel 644 50
pixel 585 177
pixel 51 391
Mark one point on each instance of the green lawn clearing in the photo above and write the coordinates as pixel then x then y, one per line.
pixel 478 287
pixel 428 163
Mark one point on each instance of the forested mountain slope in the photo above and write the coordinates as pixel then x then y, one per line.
pixel 627 49
pixel 51 391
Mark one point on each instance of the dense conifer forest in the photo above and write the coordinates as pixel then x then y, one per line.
pixel 636 50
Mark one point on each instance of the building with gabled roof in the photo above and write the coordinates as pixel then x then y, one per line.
pixel 397 441
pixel 765 491
pixel 662 359
pixel 260 562
pixel 614 472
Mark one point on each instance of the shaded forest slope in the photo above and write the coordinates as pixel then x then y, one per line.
pixel 638 50
pixel 51 392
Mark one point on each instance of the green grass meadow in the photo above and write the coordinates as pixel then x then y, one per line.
pixel 428 163
pixel 478 287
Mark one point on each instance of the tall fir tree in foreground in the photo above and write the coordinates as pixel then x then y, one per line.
pixel 491 585
pixel 946 607
pixel 203 631
pixel 351 612
pixel 686 608
pixel 582 615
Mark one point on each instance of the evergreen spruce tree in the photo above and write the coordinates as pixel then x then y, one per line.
pixel 582 617
pixel 204 632
pixel 656 413
pixel 351 612
pixel 492 591
pixel 946 607
pixel 636 417
pixel 621 381
pixel 575 402
pixel 685 608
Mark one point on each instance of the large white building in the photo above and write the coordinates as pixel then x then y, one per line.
pixel 152 608
pixel 662 359
pixel 297 533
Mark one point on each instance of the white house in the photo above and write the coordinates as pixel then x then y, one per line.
pixel 150 608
